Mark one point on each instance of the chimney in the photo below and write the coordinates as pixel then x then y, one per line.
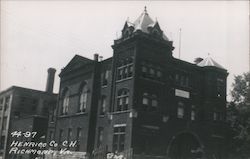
pixel 96 56
pixel 50 80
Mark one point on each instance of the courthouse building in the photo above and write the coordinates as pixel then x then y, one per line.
pixel 25 110
pixel 142 102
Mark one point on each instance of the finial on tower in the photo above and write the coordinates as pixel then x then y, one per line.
pixel 127 19
pixel 145 9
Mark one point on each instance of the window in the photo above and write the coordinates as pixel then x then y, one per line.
pixel 125 68
pixel 103 105
pixel 152 71
pixel 159 74
pixel 51 135
pixel 145 99
pixel 4 126
pixel 215 116
pixel 150 101
pixel 105 77
pixel 154 101
pixel 100 136
pixel 78 137
pixel 52 115
pixel 69 137
pixel 220 87
pixel 83 98
pixel 119 138
pixel 2 143
pixel 65 107
pixel 16 114
pixel 182 80
pixel 122 100
pixel 60 140
pixel 34 103
pixel 7 102
pixel 180 110
pixel 1 104
pixel 193 113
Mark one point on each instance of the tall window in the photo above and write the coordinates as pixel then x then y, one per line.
pixel 103 105
pixel 145 99
pixel 122 100
pixel 220 87
pixel 52 115
pixel 215 116
pixel 119 138
pixel 2 143
pixel 83 98
pixel 182 80
pixel 60 140
pixel 100 136
pixel 78 137
pixel 4 126
pixel 65 106
pixel 180 110
pixel 51 135
pixel 105 77
pixel 69 137
pixel 1 104
pixel 125 69
pixel 193 113
pixel 7 102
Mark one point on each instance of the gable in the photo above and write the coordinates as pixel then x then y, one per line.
pixel 76 62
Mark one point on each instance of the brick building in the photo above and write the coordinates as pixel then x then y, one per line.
pixel 25 110
pixel 143 102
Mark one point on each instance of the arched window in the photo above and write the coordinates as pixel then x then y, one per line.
pixel 103 105
pixel 122 100
pixel 83 94
pixel 65 104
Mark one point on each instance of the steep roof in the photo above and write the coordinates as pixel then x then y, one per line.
pixel 209 62
pixel 143 23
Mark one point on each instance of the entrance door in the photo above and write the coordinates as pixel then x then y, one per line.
pixel 185 146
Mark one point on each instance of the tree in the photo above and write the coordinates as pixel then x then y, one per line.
pixel 239 116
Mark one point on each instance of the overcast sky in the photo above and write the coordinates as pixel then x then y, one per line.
pixel 36 35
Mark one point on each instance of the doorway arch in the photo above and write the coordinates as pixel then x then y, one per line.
pixel 185 145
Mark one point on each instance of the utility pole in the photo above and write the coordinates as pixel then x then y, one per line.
pixel 180 44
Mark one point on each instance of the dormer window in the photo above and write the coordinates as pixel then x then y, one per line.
pixel 126 34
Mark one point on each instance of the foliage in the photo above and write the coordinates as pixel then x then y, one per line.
pixel 239 116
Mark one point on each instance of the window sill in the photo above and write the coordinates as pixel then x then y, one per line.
pixel 121 80
pixel 121 112
pixel 104 86
pixel 79 113
pixel 153 80
pixel 70 115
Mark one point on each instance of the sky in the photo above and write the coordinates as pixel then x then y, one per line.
pixel 36 35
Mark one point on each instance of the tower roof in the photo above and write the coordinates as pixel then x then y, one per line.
pixel 145 24
pixel 209 62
